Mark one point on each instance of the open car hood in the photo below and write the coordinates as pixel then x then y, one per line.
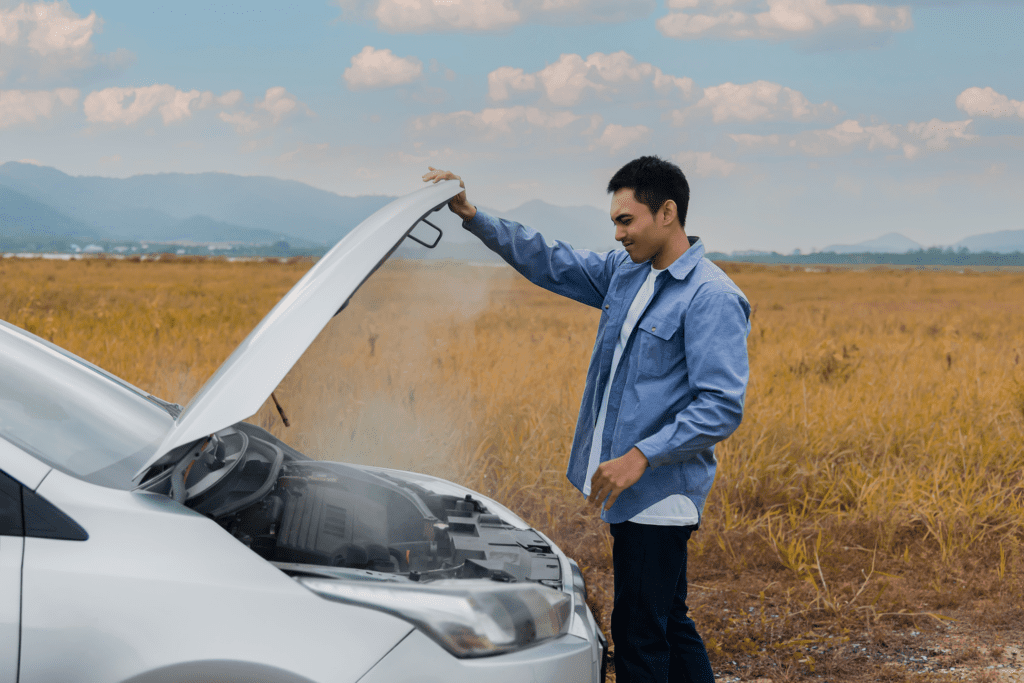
pixel 241 385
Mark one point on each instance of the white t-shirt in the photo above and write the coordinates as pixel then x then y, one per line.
pixel 677 509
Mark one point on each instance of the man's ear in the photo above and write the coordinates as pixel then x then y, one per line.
pixel 668 211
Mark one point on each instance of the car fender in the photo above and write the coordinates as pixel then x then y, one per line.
pixel 158 586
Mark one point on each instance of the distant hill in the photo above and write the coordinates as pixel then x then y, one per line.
pixel 23 217
pixel 50 207
pixel 43 208
pixel 219 207
pixel 890 243
pixel 205 229
pixel 1002 242
pixel 152 207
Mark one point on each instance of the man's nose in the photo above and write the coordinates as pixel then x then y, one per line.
pixel 620 232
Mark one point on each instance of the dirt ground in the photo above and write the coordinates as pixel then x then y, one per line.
pixel 979 641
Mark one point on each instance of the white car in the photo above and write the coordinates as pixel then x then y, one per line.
pixel 141 542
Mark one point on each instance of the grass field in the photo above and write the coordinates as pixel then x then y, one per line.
pixel 874 491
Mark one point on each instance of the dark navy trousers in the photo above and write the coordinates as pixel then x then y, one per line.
pixel 655 642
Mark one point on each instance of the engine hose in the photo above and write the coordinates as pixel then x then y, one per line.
pixel 264 489
pixel 178 492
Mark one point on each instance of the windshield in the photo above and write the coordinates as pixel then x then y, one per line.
pixel 72 417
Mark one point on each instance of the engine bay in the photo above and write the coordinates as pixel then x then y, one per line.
pixel 307 515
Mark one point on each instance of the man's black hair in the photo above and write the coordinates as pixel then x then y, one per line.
pixel 654 181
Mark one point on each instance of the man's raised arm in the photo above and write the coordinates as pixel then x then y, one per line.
pixel 579 274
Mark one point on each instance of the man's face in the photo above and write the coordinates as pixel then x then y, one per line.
pixel 641 235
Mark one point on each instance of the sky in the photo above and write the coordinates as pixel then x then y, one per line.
pixel 799 123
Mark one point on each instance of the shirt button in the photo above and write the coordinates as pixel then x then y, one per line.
pixel 653 328
pixel 606 306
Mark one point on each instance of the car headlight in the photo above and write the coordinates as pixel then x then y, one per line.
pixel 579 592
pixel 467 617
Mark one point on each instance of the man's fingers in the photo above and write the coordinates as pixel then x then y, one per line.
pixel 600 488
pixel 596 483
pixel 437 175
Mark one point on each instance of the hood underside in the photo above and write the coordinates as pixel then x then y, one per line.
pixel 246 379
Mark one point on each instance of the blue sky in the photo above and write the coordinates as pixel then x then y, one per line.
pixel 800 123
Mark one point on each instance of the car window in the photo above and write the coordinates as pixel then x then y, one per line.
pixel 71 417
pixel 10 507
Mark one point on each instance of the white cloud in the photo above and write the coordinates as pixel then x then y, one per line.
pixel 497 120
pixel 418 16
pixel 127 106
pixel 595 122
pixel 427 15
pixel 566 81
pixel 987 102
pixel 757 101
pixel 749 140
pixel 777 19
pixel 851 135
pixel 381 69
pixel 22 106
pixel 228 99
pixel 936 133
pixel 278 102
pixel 243 123
pixel 843 138
pixel 503 79
pixel 57 28
pixel 616 137
pixel 48 27
pixel 130 105
pixel 704 164
pixel 46 39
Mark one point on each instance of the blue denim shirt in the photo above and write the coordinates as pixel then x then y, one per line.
pixel 680 384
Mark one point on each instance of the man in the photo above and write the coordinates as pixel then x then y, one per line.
pixel 666 382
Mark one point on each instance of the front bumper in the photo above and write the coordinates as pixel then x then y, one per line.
pixel 418 659
pixel 577 657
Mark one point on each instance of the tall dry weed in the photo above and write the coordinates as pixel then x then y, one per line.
pixel 882 439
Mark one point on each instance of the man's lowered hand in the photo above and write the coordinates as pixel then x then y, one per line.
pixel 459 204
pixel 615 476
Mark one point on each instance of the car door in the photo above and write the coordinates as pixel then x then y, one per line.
pixel 12 547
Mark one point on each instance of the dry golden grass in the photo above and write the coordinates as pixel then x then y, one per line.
pixel 876 479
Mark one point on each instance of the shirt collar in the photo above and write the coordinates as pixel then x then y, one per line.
pixel 682 266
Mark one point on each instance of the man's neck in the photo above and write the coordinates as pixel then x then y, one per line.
pixel 672 250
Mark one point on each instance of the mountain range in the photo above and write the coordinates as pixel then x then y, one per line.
pixel 45 205
pixel 890 243
pixel 39 201
pixel 1002 242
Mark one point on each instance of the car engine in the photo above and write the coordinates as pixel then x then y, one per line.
pixel 304 514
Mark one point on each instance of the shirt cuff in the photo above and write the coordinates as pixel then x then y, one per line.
pixel 474 222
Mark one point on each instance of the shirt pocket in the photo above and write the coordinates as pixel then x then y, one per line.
pixel 660 344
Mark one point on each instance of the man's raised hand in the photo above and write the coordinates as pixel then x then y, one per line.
pixel 458 204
